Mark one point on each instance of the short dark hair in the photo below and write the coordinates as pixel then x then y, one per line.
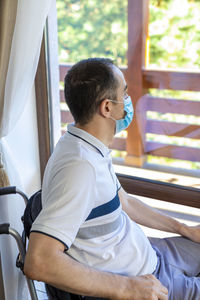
pixel 87 83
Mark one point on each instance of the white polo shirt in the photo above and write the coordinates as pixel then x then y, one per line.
pixel 81 208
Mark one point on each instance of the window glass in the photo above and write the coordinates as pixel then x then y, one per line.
pixel 91 28
pixel 174 43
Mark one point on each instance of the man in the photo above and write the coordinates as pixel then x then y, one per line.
pixel 86 239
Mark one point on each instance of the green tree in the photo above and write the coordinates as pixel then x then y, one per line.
pixel 174 33
pixel 90 28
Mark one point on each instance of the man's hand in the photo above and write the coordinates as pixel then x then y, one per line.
pixel 145 287
pixel 191 232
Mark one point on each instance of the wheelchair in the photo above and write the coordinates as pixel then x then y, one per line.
pixel 32 209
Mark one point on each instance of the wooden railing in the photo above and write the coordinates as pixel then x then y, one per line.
pixel 160 190
pixel 140 79
pixel 163 80
pixel 171 80
pixel 169 128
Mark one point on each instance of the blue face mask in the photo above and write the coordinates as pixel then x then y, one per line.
pixel 125 122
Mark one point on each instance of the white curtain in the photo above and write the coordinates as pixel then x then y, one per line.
pixel 19 79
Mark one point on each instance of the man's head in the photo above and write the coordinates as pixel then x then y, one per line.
pixel 88 83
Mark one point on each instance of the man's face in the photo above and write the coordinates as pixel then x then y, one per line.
pixel 118 108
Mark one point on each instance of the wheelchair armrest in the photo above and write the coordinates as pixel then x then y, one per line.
pixel 8 190
pixel 4 228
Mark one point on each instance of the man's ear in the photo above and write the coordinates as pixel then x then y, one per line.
pixel 105 108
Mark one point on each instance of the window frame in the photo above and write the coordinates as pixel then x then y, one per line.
pixel 47 91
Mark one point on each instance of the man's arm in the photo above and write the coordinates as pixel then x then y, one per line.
pixel 46 261
pixel 153 218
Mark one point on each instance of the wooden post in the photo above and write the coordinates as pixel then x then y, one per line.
pixel 137 35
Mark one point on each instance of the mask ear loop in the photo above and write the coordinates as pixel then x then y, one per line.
pixel 115 101
pixel 119 103
pixel 113 119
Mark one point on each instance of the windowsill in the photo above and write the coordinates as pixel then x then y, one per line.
pixel 189 180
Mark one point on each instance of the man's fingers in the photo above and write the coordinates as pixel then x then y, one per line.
pixel 153 289
pixel 160 290
pixel 164 290
pixel 163 296
pixel 163 293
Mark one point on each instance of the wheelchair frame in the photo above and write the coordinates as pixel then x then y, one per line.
pixel 21 241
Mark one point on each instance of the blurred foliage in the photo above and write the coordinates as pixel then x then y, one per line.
pixel 92 28
pixel 174 31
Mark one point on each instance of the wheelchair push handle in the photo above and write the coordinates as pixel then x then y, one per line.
pixel 13 190
pixel 8 190
pixel 4 228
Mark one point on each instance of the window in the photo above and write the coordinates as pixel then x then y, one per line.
pixel 147 149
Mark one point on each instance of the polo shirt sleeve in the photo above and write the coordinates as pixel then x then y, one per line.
pixel 67 200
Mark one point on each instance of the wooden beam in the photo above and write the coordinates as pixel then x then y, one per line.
pixel 42 110
pixel 47 91
pixel 173 151
pixel 137 34
pixel 168 105
pixel 62 96
pixel 173 129
pixel 64 68
pixel 160 190
pixel 171 80
pixel 66 116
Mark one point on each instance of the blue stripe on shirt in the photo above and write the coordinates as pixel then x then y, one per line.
pixel 104 209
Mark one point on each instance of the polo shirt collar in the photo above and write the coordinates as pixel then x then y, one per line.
pixel 88 138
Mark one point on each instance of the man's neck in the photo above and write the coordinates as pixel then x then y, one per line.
pixel 98 130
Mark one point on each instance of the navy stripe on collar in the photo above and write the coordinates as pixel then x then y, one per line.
pixel 86 142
